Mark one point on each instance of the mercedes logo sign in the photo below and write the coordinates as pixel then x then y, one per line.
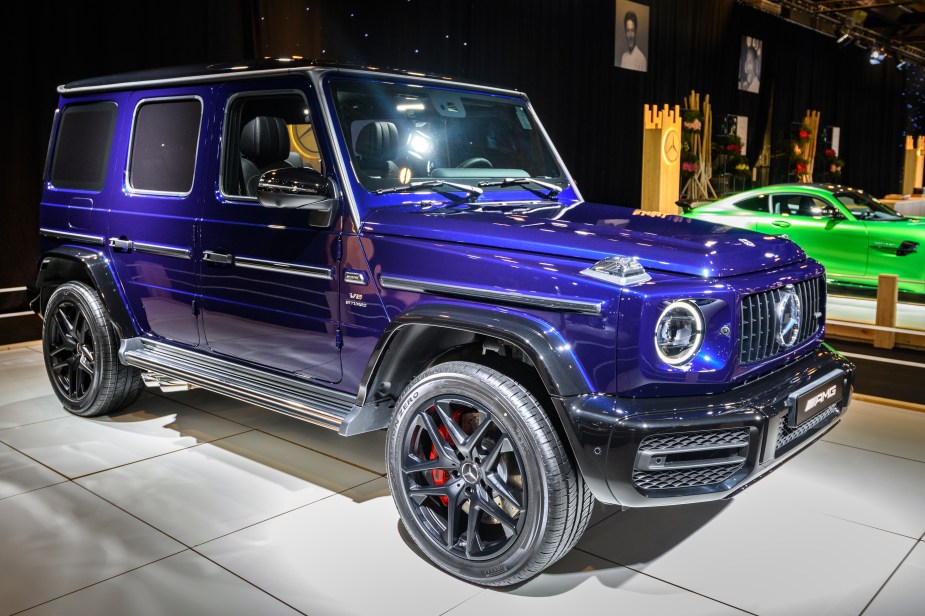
pixel 789 316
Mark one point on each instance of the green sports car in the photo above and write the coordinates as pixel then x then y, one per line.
pixel 853 235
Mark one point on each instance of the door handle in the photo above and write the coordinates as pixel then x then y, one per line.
pixel 781 223
pixel 217 258
pixel 120 244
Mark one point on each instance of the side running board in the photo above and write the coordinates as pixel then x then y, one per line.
pixel 294 397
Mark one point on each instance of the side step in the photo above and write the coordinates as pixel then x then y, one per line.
pixel 294 397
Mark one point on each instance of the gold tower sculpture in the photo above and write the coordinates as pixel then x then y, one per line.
pixel 661 159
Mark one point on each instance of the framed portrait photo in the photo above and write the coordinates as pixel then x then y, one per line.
pixel 750 64
pixel 631 49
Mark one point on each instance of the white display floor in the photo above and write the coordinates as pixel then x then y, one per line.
pixel 196 504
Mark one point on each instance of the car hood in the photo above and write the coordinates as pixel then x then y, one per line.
pixel 591 231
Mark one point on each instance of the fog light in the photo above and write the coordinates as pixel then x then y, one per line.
pixel 679 333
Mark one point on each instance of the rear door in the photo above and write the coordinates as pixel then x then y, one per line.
pixel 152 219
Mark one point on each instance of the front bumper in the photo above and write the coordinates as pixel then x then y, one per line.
pixel 645 452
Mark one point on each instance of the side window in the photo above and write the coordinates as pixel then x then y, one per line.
pixel 264 132
pixel 754 204
pixel 785 205
pixel 82 146
pixel 165 140
pixel 806 206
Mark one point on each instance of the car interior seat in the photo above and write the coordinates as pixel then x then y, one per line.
pixel 376 148
pixel 807 207
pixel 264 146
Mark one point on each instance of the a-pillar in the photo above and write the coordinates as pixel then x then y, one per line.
pixel 913 165
pixel 661 159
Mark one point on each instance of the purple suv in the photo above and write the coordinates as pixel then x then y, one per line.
pixel 367 250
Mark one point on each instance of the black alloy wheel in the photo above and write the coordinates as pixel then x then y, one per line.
pixel 464 477
pixel 81 351
pixel 71 352
pixel 480 477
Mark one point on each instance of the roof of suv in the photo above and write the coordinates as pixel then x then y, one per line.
pixel 198 73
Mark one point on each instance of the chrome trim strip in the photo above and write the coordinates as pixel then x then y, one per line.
pixel 304 400
pixel 77 237
pixel 352 277
pixel 13 289
pixel 327 114
pixel 507 297
pixel 555 152
pixel 170 81
pixel 164 251
pixel 309 271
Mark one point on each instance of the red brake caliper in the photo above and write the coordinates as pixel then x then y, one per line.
pixel 440 476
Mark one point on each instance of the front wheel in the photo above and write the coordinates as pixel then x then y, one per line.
pixel 480 477
pixel 81 351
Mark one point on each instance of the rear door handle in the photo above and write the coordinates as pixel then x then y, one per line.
pixel 780 223
pixel 217 258
pixel 121 244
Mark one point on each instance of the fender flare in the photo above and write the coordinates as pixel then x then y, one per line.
pixel 550 353
pixel 54 270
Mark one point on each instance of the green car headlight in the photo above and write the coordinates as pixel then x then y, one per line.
pixel 679 333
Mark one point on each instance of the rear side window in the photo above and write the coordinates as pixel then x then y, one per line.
pixel 164 144
pixel 81 150
pixel 755 204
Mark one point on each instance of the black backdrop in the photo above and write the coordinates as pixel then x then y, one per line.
pixel 561 52
pixel 50 43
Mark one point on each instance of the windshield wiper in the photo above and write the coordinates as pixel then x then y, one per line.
pixel 552 188
pixel 471 191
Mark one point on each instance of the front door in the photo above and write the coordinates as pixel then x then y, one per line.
pixel 836 242
pixel 269 278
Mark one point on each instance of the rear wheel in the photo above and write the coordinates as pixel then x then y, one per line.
pixel 480 477
pixel 81 351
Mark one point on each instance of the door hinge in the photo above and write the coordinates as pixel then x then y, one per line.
pixel 338 338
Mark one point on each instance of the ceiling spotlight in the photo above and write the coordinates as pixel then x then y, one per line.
pixel 877 55
pixel 901 65
pixel 844 39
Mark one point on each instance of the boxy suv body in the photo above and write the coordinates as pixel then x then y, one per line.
pixel 371 251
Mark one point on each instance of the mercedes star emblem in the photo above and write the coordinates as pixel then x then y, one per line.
pixel 788 311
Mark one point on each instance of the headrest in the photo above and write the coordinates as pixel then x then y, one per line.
pixel 378 141
pixel 265 140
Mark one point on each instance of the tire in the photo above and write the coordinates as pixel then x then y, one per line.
pixel 81 351
pixel 468 438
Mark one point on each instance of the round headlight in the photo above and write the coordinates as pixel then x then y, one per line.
pixel 679 333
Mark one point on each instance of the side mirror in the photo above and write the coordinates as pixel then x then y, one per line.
pixel 830 211
pixel 299 188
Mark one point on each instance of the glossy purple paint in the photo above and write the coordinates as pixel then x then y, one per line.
pixel 290 324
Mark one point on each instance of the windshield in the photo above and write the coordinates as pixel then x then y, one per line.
pixel 399 135
pixel 865 207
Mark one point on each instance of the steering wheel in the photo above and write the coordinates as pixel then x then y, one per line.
pixel 477 161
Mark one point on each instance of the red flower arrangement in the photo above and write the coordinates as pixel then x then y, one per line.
pixel 800 168
pixel 834 163
pixel 804 134
pixel 734 148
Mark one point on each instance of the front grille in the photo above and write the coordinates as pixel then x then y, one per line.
pixel 758 321
pixel 689 459
pixel 787 435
